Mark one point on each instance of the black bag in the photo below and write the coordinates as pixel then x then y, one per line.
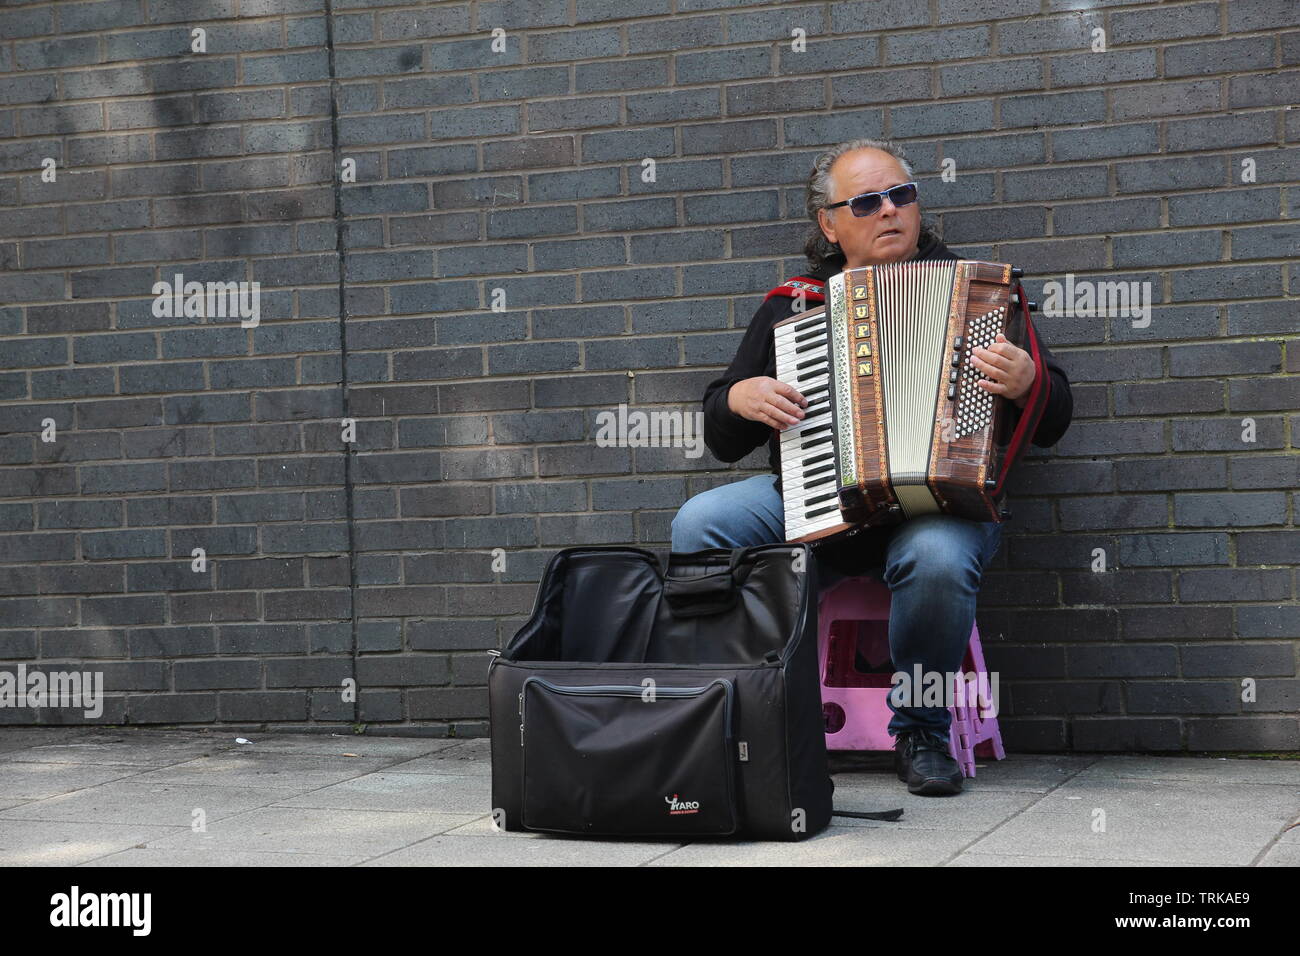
pixel 634 703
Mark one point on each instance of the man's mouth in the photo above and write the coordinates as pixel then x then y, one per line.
pixel 889 232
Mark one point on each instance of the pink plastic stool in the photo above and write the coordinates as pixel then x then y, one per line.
pixel 853 617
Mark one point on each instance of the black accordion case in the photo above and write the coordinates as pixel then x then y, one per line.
pixel 685 703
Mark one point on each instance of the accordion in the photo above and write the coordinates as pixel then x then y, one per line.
pixel 896 424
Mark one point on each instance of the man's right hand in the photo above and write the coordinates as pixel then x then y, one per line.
pixel 763 399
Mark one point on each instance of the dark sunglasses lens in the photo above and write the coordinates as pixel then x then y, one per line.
pixel 903 195
pixel 864 205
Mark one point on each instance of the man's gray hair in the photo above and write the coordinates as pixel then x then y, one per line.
pixel 817 247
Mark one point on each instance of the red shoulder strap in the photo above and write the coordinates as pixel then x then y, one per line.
pixel 812 289
pixel 1035 403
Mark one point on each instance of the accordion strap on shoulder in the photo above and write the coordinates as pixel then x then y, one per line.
pixel 1035 402
pixel 812 289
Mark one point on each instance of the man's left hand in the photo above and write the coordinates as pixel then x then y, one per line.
pixel 1010 367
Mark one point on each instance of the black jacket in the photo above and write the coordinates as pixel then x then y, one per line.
pixel 730 437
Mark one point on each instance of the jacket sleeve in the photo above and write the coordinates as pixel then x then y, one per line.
pixel 1060 404
pixel 730 437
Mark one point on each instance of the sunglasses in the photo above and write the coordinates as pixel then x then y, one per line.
pixel 867 204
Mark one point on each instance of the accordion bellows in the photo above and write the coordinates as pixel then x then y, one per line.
pixel 897 425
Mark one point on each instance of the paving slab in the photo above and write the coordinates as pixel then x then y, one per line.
pixel 402 791
pixel 1284 773
pixel 466 757
pixel 292 830
pixel 37 781
pixel 878 844
pixel 1282 854
pixel 109 796
pixel 130 801
pixel 536 850
pixel 242 768
pixel 998 859
pixel 1209 822
pixel 337 745
pixel 125 751
pixel 964 811
pixel 16 738
pixel 41 843
pixel 218 856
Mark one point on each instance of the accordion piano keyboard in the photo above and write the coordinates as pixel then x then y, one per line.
pixel 807 448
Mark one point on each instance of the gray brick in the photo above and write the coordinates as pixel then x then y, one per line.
pixel 1177 474
pixel 1110 438
pixel 1246 129
pixel 1263 394
pixel 674 34
pixel 1225 434
pixel 1267 242
pixel 777 96
pixel 1124 511
pixel 1236 509
pixel 1228 358
pixel 1088 69
pixel 1267 547
pixel 1224 206
pixel 1219 56
pixel 1265 472
pixel 956 43
pixel 1170 248
pixel 1220 585
pixel 1260 15
pixel 936 119
pixel 1146 26
pixel 568 45
pixel 1164 174
pixel 1168 398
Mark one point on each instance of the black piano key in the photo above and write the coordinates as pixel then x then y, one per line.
pixel 809 515
pixel 817 429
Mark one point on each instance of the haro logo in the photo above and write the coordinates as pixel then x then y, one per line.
pixel 676 806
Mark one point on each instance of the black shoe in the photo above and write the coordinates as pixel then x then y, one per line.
pixel 922 761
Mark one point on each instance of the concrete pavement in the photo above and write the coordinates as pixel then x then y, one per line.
pixel 106 797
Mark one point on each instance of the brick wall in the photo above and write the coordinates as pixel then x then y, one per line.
pixel 397 558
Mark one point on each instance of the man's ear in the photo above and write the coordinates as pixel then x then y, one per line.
pixel 822 216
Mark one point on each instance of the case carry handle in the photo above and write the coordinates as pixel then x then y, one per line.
pixel 698 595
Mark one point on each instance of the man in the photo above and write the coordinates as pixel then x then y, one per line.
pixel 933 563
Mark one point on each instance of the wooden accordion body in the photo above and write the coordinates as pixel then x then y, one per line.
pixel 896 425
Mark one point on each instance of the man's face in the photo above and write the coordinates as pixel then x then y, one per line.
pixel 890 234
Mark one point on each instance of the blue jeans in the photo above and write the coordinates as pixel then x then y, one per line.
pixel 933 567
